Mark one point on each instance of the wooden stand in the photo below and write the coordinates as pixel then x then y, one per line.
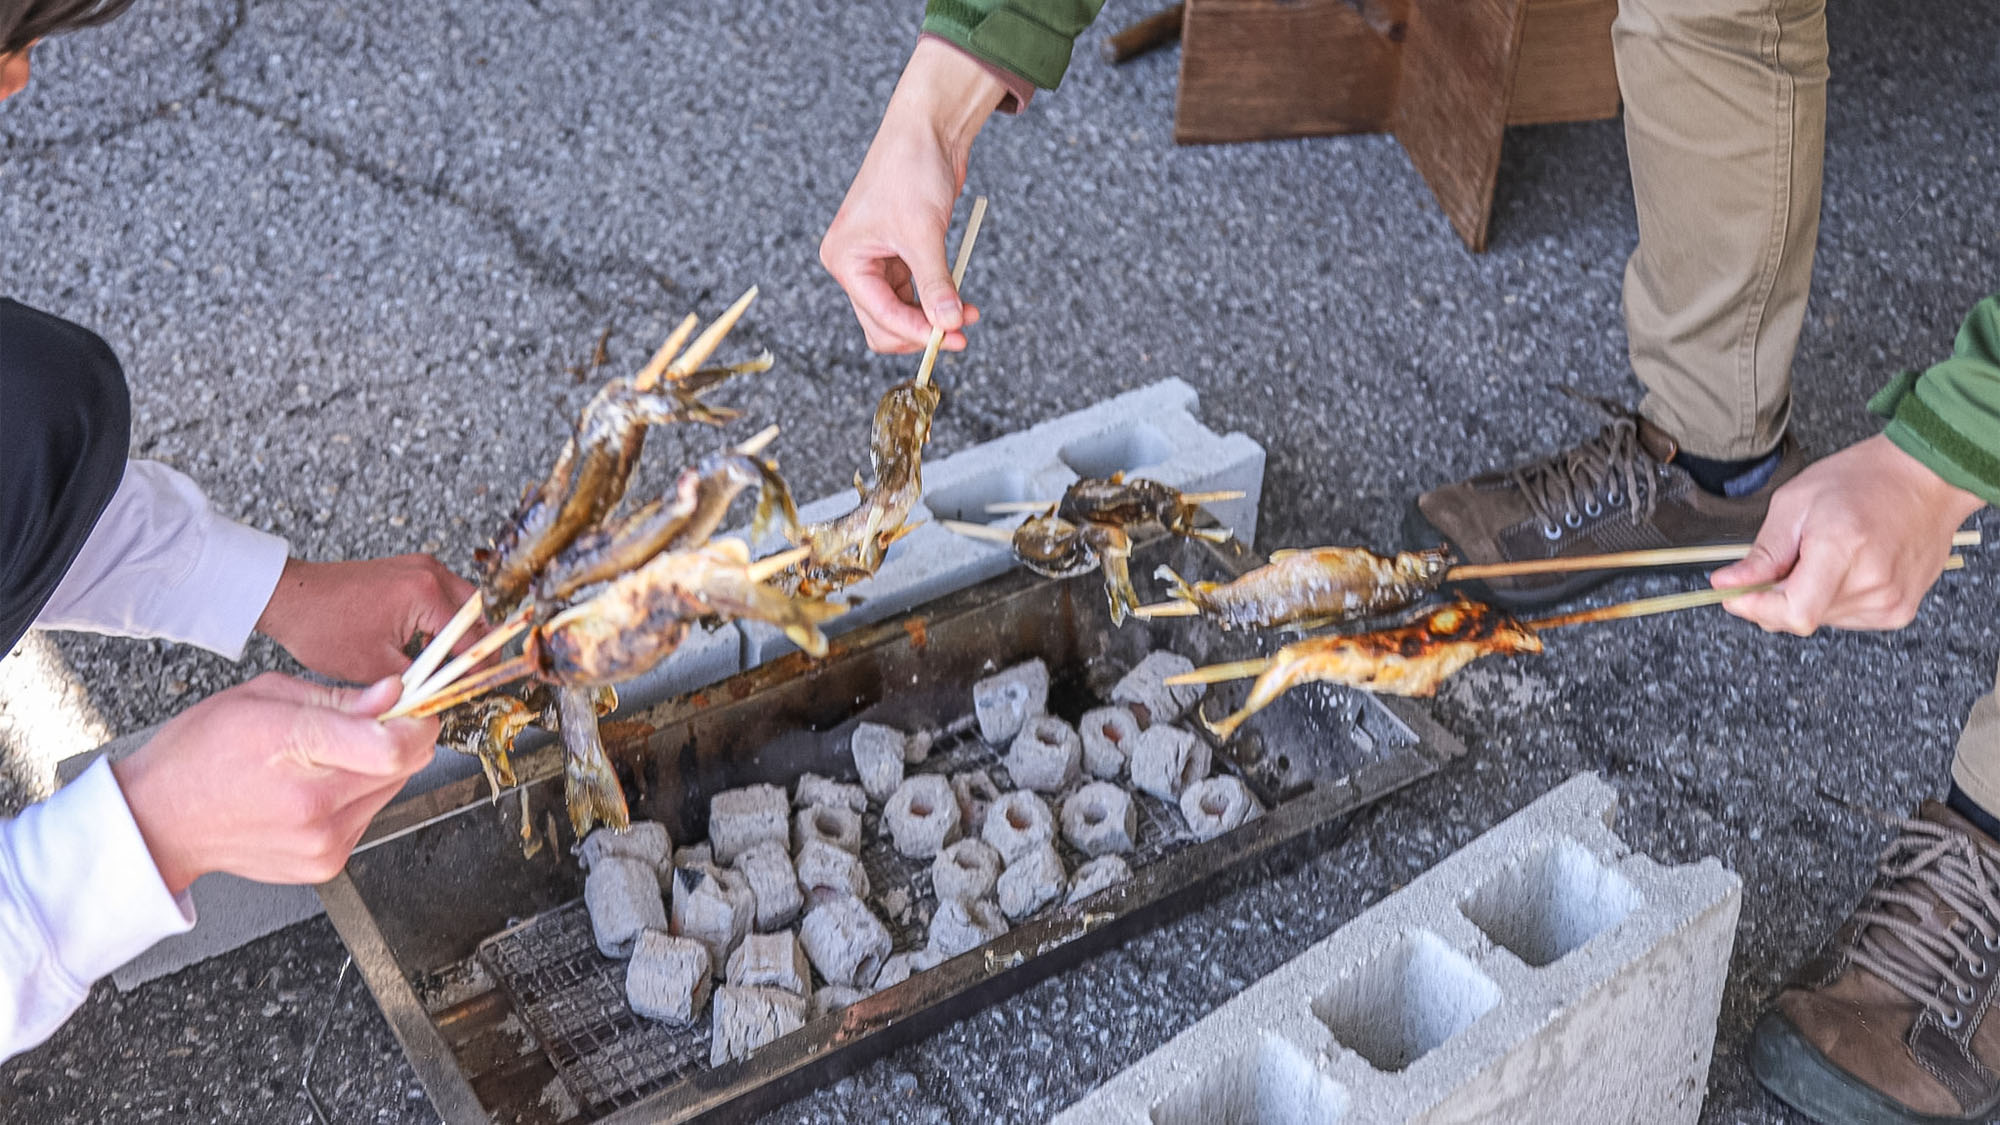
pixel 1445 76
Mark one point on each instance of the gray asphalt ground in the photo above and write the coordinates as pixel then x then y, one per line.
pixel 347 251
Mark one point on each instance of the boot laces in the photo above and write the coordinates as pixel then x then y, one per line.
pixel 1900 938
pixel 1564 489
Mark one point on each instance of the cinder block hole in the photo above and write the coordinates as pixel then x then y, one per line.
pixel 1545 905
pixel 1270 1084
pixel 1406 1002
pixel 1136 446
pixel 967 500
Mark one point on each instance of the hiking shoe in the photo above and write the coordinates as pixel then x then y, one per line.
pixel 1890 1023
pixel 1619 491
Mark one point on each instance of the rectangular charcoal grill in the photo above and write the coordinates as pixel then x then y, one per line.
pixel 482 960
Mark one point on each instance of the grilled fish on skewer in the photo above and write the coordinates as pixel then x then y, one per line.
pixel 685 519
pixel 1132 503
pixel 1089 527
pixel 1411 659
pixel 851 547
pixel 1325 585
pixel 626 626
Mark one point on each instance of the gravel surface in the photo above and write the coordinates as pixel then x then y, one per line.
pixel 347 253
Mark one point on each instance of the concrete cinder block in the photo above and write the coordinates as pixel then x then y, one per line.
pixel 1153 432
pixel 1542 973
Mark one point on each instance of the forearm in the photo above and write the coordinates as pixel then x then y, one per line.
pixel 162 563
pixel 79 896
pixel 1948 417
pixel 946 93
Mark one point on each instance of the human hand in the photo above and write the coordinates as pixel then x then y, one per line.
pixel 273 780
pixel 350 620
pixel 1853 542
pixel 886 245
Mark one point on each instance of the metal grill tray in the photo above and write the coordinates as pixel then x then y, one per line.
pixel 441 892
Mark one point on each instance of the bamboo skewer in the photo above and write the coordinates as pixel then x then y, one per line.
pixel 769 565
pixel 978 531
pixel 1244 669
pixel 957 280
pixel 1003 507
pixel 649 375
pixel 705 344
pixel 1644 607
pixel 757 442
pixel 471 658
pixel 1664 556
pixel 469 688
pixel 440 646
pixel 1007 507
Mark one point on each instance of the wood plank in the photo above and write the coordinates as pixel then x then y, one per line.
pixel 1264 69
pixel 1148 35
pixel 1458 76
pixel 1565 72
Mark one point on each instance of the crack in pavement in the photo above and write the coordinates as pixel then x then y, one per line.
pixel 545 264
pixel 205 63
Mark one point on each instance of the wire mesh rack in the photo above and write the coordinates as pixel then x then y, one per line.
pixel 572 997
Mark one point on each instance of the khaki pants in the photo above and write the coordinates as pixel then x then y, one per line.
pixel 1725 124
pixel 1976 765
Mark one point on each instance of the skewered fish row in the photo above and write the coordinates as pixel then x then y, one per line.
pixel 1312 588
pixel 613 597
pixel 1091 526
pixel 589 476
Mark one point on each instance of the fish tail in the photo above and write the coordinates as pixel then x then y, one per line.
pixel 1183 589
pixel 595 796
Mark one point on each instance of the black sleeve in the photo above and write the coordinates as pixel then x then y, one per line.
pixel 65 427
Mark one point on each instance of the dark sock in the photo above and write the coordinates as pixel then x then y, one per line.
pixel 1729 478
pixel 1968 808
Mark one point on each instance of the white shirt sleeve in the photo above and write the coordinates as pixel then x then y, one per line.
pixel 162 563
pixel 79 896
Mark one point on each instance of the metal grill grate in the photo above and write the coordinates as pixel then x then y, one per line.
pixel 573 999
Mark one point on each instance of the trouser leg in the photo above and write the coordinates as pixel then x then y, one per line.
pixel 1725 122
pixel 65 424
pixel 1975 767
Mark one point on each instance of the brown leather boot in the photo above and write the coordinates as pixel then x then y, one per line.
pixel 1618 491
pixel 1891 1023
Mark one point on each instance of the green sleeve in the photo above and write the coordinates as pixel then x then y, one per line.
pixel 1031 38
pixel 1949 416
